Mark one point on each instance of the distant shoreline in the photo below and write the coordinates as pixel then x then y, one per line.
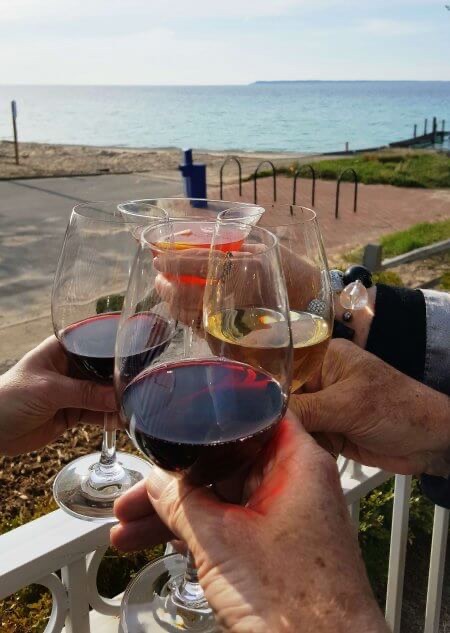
pixel 251 83
pixel 348 81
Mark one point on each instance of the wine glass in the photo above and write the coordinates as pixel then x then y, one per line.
pixel 88 290
pixel 306 272
pixel 206 410
pixel 192 221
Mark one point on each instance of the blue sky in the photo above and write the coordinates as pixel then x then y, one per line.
pixel 226 42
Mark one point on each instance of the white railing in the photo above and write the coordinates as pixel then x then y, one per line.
pixel 35 551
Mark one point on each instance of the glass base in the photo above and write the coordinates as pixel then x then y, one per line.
pixel 149 606
pixel 75 495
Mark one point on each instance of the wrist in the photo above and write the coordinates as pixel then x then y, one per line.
pixel 361 319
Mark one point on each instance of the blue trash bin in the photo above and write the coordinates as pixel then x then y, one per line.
pixel 194 178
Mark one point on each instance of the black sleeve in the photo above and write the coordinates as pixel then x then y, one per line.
pixel 398 336
pixel 437 489
pixel 398 330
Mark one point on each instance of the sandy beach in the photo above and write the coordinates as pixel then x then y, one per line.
pixel 39 160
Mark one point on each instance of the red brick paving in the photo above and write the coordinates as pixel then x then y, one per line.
pixel 381 208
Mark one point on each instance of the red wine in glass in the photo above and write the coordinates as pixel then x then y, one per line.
pixel 204 417
pixel 90 343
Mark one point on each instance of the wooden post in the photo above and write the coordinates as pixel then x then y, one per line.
pixel 425 126
pixel 346 147
pixel 443 126
pixel 415 130
pixel 372 257
pixel 14 116
pixel 434 129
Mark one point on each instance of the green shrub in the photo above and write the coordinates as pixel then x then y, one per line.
pixel 110 303
pixel 375 528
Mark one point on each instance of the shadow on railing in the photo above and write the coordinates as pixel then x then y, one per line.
pixel 313 190
pixel 338 190
pixel 238 163
pixel 255 179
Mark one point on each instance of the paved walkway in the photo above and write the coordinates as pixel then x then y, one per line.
pixel 34 214
pixel 381 208
pixel 33 218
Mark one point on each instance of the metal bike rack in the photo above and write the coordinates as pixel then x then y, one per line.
pixel 338 190
pixel 313 175
pixel 255 177
pixel 238 163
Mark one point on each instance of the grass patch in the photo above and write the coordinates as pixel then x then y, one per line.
pixel 444 284
pixel 388 277
pixel 415 237
pixel 425 170
pixel 400 242
pixel 428 170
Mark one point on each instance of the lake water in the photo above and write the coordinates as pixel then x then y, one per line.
pixel 299 117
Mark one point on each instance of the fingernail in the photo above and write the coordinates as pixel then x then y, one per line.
pixel 157 482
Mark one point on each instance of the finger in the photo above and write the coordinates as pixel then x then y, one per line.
pixel 83 394
pixel 196 261
pixel 140 534
pixel 276 470
pixel 69 418
pixel 134 504
pixel 321 411
pixel 409 465
pixel 47 354
pixel 192 261
pixel 191 513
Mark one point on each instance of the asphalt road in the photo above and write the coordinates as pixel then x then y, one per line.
pixel 33 218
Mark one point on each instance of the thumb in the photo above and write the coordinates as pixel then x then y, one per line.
pixel 188 511
pixel 84 394
pixel 320 411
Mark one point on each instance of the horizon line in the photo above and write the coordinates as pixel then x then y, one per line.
pixel 217 85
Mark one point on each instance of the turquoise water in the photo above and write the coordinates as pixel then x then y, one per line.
pixel 300 117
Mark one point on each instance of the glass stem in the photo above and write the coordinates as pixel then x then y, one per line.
pixel 188 593
pixel 190 575
pixel 108 455
pixel 187 341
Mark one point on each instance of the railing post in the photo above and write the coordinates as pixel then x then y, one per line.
pixel 354 509
pixel 274 177
pixel 397 552
pixel 313 175
pixel 437 567
pixel 75 579
pixel 338 190
pixel 238 162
